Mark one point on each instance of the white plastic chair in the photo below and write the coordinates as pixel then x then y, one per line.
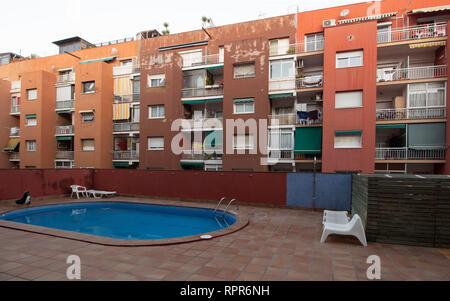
pixel 353 227
pixel 336 217
pixel 77 189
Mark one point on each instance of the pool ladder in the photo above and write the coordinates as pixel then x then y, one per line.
pixel 226 208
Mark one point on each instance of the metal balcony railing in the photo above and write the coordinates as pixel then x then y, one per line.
pixel 210 59
pixel 15 109
pixel 282 84
pixel 126 127
pixel 64 130
pixel 66 78
pixel 129 69
pixel 411 113
pixel 127 98
pixel 208 154
pixel 412 33
pixel 199 123
pixel 300 47
pixel 281 154
pixel 412 73
pixel 215 90
pixel 284 119
pixel 309 81
pixel 126 155
pixel 14 156
pixel 64 155
pixel 405 153
pixel 14 132
pixel 65 104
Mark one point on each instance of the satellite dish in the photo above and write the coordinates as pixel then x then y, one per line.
pixel 344 12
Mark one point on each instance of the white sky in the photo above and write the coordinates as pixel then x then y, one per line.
pixel 33 25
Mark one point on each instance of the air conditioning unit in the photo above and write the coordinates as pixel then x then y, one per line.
pixel 299 63
pixel 329 23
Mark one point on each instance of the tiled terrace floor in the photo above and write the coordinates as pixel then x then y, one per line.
pixel 278 244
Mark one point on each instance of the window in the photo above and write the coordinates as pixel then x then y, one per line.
pixel 191 57
pixel 282 69
pixel 126 62
pixel 241 141
pixel 65 93
pixel 31 145
pixel 137 85
pixel 32 94
pixel 244 106
pixel 347 140
pixel 89 87
pixel 426 95
pixel 155 143
pixel 87 116
pixel 348 100
pixel 281 139
pixel 15 101
pixel 279 46
pixel 135 114
pixel 156 111
pixel 87 145
pixel 349 59
pixel 243 70
pixel 31 120
pixel 157 80
pixel 314 42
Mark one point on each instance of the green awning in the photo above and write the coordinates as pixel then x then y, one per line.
pixel 187 102
pixel 213 138
pixel 121 164
pixel 281 95
pixel 64 138
pixel 391 126
pixel 63 112
pixel 243 100
pixel 184 163
pixel 12 144
pixel 30 116
pixel 308 140
pixel 214 67
pixel 105 59
pixel 355 132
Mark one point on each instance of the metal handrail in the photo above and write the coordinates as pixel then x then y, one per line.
pixel 229 203
pixel 218 204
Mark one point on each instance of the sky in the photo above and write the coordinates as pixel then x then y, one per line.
pixel 32 28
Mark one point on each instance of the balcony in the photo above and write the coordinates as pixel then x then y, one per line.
pixel 14 132
pixel 309 81
pixel 282 84
pixel 14 156
pixel 65 104
pixel 211 59
pixel 213 90
pixel 15 86
pixel 127 98
pixel 123 70
pixel 209 154
pixel 15 109
pixel 126 127
pixel 64 130
pixel 126 155
pixel 281 154
pixel 411 113
pixel 284 119
pixel 66 78
pixel 298 48
pixel 426 72
pixel 405 153
pixel 64 155
pixel 202 123
pixel 412 33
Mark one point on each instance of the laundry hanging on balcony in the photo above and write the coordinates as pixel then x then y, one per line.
pixel 123 86
pixel 121 111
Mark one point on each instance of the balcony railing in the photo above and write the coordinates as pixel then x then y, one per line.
pixel 14 132
pixel 16 85
pixel 126 155
pixel 311 81
pixel 122 70
pixel 411 113
pixel 210 59
pixel 126 127
pixel 64 130
pixel 282 84
pixel 127 98
pixel 300 47
pixel 281 154
pixel 209 154
pixel 65 104
pixel 15 109
pixel 14 156
pixel 66 78
pixel 64 155
pixel 215 90
pixel 284 119
pixel 412 33
pixel 202 123
pixel 411 73
pixel 405 153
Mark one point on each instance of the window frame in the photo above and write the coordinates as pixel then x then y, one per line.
pixel 155 148
pixel 84 114
pixel 348 55
pixel 248 75
pixel 348 146
pixel 83 87
pixel 31 119
pixel 30 143
pixel 83 146
pixel 151 108
pixel 28 94
pixel 282 62
pixel 349 92
pixel 244 104
pixel 160 76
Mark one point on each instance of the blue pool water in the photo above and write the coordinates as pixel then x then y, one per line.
pixel 124 220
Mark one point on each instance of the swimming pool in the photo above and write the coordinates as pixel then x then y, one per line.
pixel 124 220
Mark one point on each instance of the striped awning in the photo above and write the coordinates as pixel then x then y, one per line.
pixel 430 9
pixel 12 144
pixel 428 44
pixel 123 86
pixel 367 18
pixel 121 111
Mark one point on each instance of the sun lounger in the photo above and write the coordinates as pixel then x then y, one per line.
pixel 353 227
pixel 77 189
pixel 336 217
pixel 99 193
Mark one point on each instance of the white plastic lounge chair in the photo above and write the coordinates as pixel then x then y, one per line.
pixel 77 189
pixel 353 227
pixel 99 193
pixel 336 217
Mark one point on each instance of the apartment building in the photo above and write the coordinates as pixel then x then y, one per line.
pixel 355 88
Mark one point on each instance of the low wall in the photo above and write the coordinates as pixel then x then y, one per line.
pixel 402 209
